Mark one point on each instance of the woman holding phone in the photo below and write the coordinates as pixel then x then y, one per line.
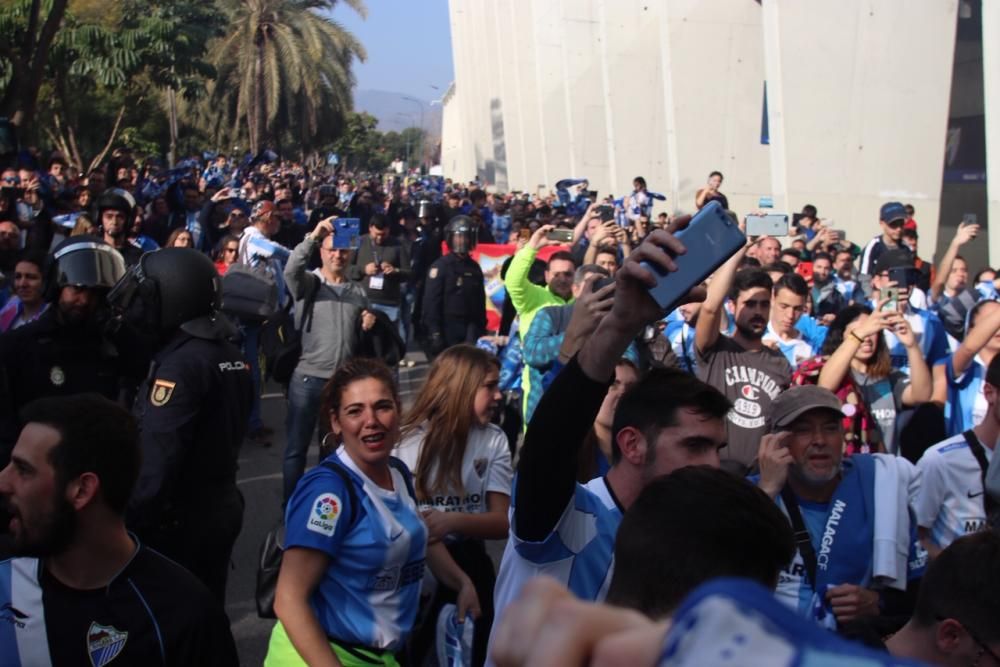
pixel 355 544
pixel 855 365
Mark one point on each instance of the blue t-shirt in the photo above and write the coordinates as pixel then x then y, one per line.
pixel 370 592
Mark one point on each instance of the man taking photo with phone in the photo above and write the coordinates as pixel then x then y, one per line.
pixel 527 297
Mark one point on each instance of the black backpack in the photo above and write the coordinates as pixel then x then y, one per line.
pixel 281 341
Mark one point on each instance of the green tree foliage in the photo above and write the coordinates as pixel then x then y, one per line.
pixel 28 28
pixel 83 74
pixel 284 72
pixel 123 62
pixel 362 146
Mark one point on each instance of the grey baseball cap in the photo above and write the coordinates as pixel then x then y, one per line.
pixel 800 399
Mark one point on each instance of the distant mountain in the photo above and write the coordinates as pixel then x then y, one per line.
pixel 395 112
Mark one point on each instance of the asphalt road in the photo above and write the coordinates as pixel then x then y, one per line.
pixel 260 481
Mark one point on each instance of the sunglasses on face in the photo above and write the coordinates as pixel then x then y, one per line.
pixel 895 224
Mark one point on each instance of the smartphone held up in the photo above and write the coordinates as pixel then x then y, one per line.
pixel 711 238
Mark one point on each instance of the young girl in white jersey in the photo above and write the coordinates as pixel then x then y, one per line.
pixel 462 474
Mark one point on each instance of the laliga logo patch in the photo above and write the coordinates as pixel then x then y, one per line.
pixel 326 511
pixel 104 643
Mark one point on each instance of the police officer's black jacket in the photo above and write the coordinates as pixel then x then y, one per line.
pixel 49 357
pixel 454 294
pixel 192 409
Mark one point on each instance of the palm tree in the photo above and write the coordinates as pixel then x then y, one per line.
pixel 283 66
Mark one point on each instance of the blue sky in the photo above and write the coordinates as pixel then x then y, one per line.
pixel 408 44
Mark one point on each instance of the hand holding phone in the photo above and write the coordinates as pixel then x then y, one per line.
pixel 560 235
pixel 709 239
pixel 774 224
pixel 967 230
pixel 346 233
pixel 891 299
pixel 606 212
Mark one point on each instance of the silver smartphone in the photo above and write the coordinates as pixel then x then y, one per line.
pixel 773 224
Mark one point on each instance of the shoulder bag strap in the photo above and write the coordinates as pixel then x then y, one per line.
pixel 984 465
pixel 802 539
pixel 348 482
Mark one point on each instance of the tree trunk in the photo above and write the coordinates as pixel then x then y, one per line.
pixel 172 109
pixel 111 140
pixel 259 123
pixel 27 62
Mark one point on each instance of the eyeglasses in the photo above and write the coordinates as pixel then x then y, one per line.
pixel 895 224
pixel 13 180
pixel 230 249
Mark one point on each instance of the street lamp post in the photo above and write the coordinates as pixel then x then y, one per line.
pixel 412 118
pixel 420 105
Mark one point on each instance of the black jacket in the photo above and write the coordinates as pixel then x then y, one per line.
pixel 48 357
pixel 395 252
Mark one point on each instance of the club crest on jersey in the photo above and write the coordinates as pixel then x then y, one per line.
pixel 57 377
pixel 326 511
pixel 162 391
pixel 479 465
pixel 104 643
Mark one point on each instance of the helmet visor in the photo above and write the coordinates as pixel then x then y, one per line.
pixel 89 265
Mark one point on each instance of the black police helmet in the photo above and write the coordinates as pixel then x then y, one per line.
pixel 118 200
pixel 176 288
pixel 461 225
pixel 82 261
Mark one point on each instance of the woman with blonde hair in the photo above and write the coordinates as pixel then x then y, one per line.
pixel 462 474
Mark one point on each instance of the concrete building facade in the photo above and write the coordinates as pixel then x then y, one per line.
pixel 843 105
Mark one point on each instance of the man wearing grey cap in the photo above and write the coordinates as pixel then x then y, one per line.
pixel 841 511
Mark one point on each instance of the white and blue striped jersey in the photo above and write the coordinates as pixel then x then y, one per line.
pixel 950 499
pixel 795 350
pixel 681 336
pixel 256 250
pixel 966 405
pixel 579 552
pixel 370 592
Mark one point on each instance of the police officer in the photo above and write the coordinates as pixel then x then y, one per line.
pixel 192 410
pixel 454 308
pixel 70 348
pixel 116 215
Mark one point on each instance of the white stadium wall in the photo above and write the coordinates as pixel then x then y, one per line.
pixel 857 100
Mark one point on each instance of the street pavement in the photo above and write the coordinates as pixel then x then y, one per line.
pixel 259 480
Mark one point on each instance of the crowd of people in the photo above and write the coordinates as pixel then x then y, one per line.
pixel 795 458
